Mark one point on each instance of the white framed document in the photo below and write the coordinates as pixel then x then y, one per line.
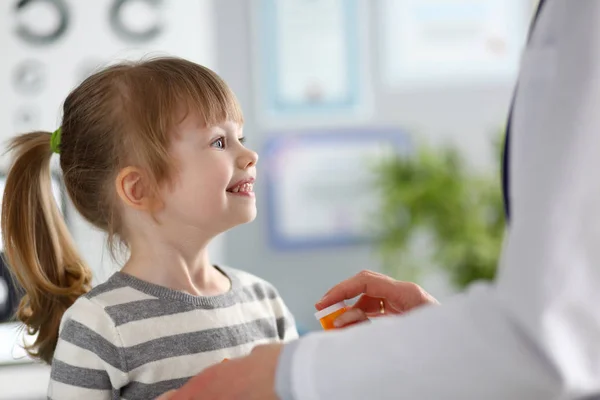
pixel 320 185
pixel 438 42
pixel 308 59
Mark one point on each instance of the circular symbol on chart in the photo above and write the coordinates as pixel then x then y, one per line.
pixel 41 22
pixel 26 118
pixel 29 77
pixel 314 92
pixel 136 20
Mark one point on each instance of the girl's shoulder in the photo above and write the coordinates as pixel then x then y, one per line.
pixel 92 308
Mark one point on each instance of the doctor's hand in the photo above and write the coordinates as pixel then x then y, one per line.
pixel 246 378
pixel 379 295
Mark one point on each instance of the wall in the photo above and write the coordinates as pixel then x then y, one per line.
pixel 467 115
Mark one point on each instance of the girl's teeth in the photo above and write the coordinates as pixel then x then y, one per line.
pixel 245 188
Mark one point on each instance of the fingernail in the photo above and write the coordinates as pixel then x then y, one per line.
pixel 337 323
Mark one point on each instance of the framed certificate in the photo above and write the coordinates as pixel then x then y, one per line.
pixel 433 42
pixel 309 57
pixel 320 185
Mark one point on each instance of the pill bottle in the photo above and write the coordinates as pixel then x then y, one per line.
pixel 327 315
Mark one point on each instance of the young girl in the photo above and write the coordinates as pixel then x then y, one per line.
pixel 152 153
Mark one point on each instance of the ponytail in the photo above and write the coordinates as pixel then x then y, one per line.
pixel 40 250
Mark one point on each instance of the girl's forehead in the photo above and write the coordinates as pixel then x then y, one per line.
pixel 229 126
pixel 204 114
pixel 193 122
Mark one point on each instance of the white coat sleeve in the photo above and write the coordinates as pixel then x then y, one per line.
pixel 535 333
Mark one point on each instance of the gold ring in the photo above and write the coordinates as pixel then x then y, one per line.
pixel 381 307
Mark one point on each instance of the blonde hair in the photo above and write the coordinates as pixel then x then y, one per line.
pixel 117 117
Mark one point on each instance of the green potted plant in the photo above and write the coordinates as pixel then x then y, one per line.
pixel 438 212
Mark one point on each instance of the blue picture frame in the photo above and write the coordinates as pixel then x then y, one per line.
pixel 399 141
pixel 269 72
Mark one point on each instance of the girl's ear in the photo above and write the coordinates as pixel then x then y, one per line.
pixel 134 190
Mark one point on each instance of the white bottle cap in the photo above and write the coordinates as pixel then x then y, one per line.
pixel 329 310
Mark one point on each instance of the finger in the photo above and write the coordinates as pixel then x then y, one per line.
pixel 366 282
pixel 372 306
pixel 350 317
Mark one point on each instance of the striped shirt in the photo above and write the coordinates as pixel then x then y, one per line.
pixel 129 339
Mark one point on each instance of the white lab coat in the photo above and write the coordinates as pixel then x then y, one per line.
pixel 535 333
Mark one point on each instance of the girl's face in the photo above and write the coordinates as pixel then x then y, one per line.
pixel 212 185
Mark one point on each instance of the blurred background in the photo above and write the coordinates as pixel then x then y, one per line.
pixel 379 126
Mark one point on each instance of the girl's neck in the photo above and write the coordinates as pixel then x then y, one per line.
pixel 187 271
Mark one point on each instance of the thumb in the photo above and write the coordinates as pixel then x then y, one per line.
pixel 350 317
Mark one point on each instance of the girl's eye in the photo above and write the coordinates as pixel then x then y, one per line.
pixel 219 143
pixel 242 140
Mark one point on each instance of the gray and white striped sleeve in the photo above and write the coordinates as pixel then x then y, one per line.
pixel 88 362
pixel 286 323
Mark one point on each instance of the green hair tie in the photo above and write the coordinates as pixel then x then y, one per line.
pixel 55 141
